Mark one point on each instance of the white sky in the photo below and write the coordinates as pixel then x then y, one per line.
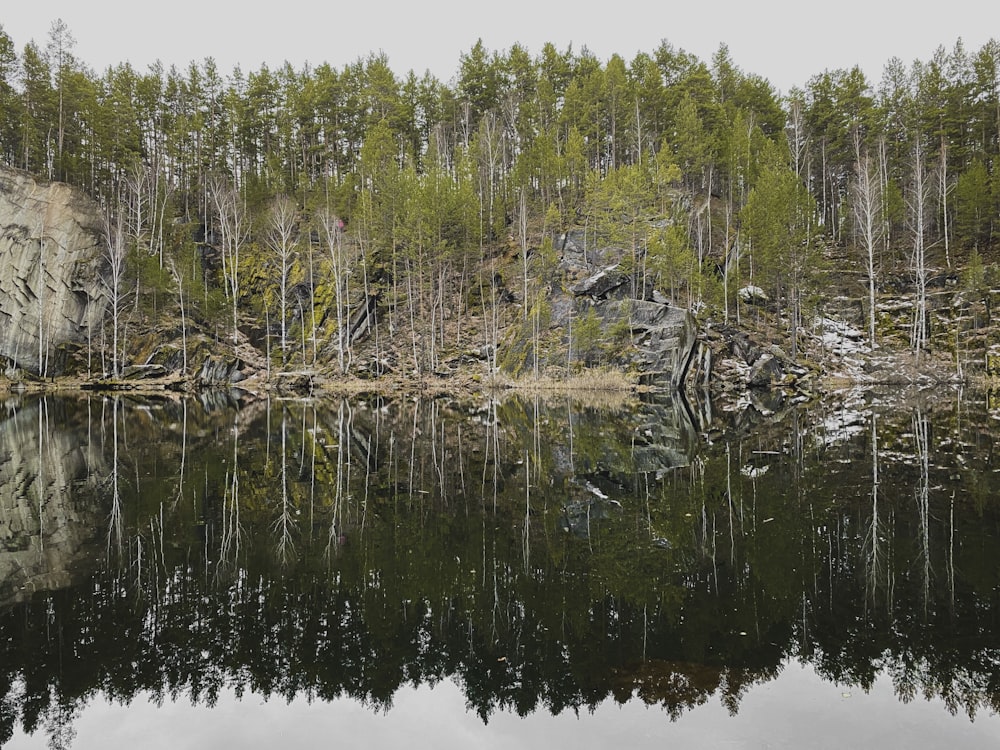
pixel 785 41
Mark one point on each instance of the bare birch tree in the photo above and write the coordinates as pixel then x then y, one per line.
pixel 868 222
pixel 332 235
pixel 179 282
pixel 917 209
pixel 115 254
pixel 234 228
pixel 149 200
pixel 60 53
pixel 522 224
pixel 943 188
pixel 282 236
pixel 136 184
pixel 795 132
pixel 42 270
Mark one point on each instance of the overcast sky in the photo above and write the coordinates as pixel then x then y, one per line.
pixel 784 41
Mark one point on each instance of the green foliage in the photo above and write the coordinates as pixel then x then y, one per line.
pixel 546 262
pixel 975 211
pixel 588 338
pixel 619 334
pixel 674 263
pixel 974 276
pixel 618 207
pixel 428 175
pixel 777 219
pixel 154 284
pixel 894 206
pixel 692 145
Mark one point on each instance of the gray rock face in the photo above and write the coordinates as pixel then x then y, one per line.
pixel 50 270
pixel 663 336
pixel 581 254
pixel 601 283
pixel 764 372
pixel 216 371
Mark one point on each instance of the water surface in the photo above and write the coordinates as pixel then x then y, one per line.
pixel 188 570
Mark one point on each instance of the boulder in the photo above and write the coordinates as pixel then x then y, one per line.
pixel 605 315
pixel 145 372
pixel 580 252
pixel 221 371
pixel 764 372
pixel 601 283
pixel 753 295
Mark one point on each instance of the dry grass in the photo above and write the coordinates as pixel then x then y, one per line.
pixel 596 387
pixel 601 386
pixel 587 380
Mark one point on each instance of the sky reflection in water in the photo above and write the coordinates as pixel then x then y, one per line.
pixel 797 710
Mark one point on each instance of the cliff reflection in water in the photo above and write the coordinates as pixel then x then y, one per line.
pixel 46 525
pixel 543 556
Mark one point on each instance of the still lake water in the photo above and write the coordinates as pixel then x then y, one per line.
pixel 203 572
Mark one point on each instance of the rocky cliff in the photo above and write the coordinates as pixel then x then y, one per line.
pixel 50 271
pixel 596 316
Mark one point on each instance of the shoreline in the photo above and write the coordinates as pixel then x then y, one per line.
pixel 309 384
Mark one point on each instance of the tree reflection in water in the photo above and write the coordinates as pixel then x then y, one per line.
pixel 545 557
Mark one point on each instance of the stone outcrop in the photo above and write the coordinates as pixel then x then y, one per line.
pixel 51 260
pixel 599 314
pixel 663 336
pixel 600 284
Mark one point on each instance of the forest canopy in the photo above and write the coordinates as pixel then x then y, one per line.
pixel 429 177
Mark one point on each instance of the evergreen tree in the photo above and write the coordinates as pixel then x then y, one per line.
pixel 60 57
pixel 9 105
pixel 975 210
pixel 778 218
pixel 38 113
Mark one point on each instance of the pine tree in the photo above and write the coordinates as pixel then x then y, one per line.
pixel 9 104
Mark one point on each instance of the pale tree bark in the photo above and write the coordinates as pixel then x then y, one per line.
pixel 489 154
pixel 41 302
pixel 161 194
pixel 522 223
pixel 917 205
pixel 282 236
pixel 883 170
pixel 179 281
pixel 943 187
pixel 150 194
pixel 331 231
pixel 234 227
pixel 115 254
pixel 311 268
pixel 796 134
pixel 638 132
pixel 136 181
pixel 60 52
pixel 868 222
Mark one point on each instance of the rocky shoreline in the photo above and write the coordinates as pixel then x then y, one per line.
pixel 604 330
